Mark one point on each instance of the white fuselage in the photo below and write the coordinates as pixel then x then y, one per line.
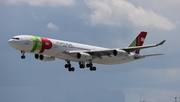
pixel 58 49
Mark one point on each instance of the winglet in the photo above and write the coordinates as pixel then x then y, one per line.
pixel 161 43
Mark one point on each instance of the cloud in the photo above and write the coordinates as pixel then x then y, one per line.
pixel 123 13
pixel 51 3
pixel 52 26
pixel 166 2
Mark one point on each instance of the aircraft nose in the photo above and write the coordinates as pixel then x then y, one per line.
pixel 10 41
pixel 13 42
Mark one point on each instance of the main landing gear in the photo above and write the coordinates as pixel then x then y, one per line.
pixel 23 56
pixel 37 56
pixel 90 66
pixel 81 65
pixel 68 65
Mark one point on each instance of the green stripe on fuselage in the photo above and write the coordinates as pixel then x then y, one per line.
pixel 37 43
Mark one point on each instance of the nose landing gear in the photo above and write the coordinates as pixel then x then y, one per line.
pixel 23 56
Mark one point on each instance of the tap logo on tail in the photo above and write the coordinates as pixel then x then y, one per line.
pixel 139 41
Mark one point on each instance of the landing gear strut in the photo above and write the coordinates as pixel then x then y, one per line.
pixel 23 56
pixel 68 65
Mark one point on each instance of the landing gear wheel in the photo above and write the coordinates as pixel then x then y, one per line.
pixel 89 65
pixel 67 65
pixel 36 56
pixel 82 66
pixel 41 57
pixel 92 68
pixel 23 57
pixel 71 69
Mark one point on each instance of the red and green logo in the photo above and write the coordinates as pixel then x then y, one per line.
pixel 139 41
pixel 40 44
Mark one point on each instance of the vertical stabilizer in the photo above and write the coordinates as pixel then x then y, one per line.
pixel 139 41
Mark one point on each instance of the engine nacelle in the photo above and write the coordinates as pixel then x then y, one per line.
pixel 48 58
pixel 84 56
pixel 44 57
pixel 120 53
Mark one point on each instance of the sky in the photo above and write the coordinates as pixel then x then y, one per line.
pixel 106 23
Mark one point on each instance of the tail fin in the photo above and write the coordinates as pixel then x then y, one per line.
pixel 139 41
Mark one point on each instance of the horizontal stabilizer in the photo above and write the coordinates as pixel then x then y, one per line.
pixel 148 55
pixel 152 55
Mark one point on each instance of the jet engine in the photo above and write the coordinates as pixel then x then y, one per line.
pixel 44 57
pixel 120 53
pixel 84 56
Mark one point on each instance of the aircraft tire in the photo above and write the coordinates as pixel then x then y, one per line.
pixel 41 57
pixel 82 66
pixel 23 57
pixel 66 66
pixel 36 56
pixel 88 65
pixel 71 69
pixel 92 68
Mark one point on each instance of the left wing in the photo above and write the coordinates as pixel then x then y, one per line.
pixel 108 52
pixel 94 53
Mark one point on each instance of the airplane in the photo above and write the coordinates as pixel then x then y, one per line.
pixel 46 49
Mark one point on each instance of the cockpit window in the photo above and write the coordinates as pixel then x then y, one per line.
pixel 16 38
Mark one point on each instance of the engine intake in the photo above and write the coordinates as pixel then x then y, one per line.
pixel 120 53
pixel 84 56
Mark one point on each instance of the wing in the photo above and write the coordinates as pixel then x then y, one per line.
pixel 109 52
pixel 93 53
